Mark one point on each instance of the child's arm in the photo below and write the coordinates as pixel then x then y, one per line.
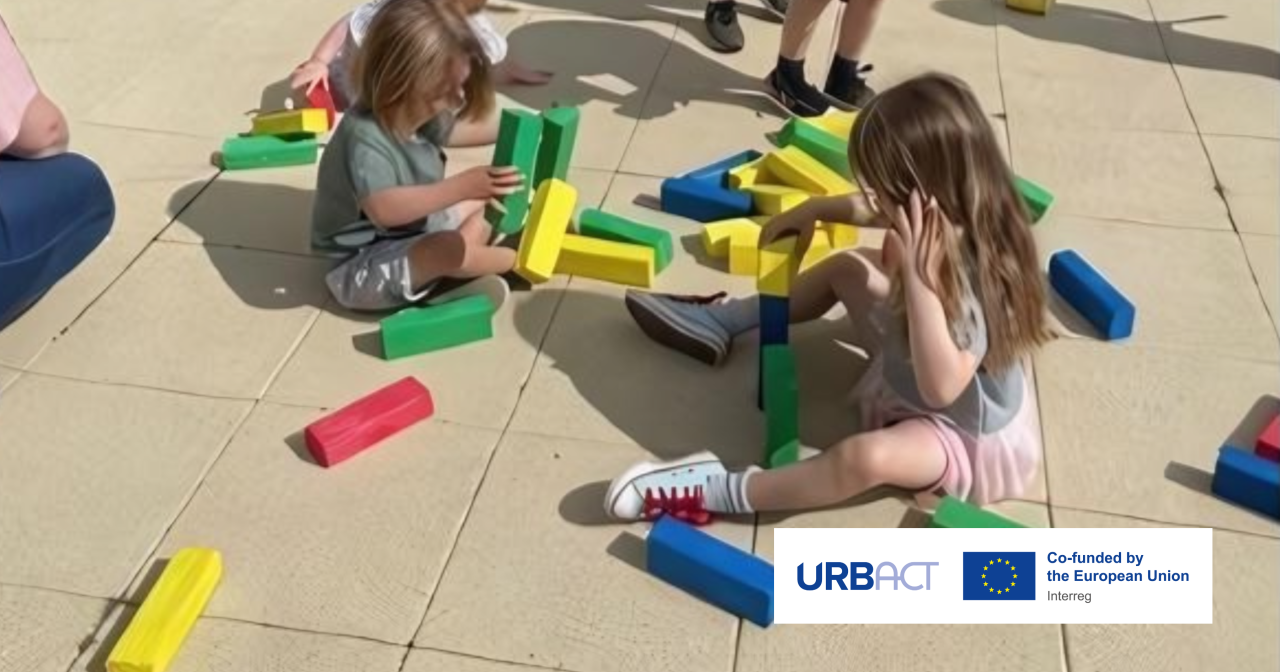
pixel 404 206
pixel 316 68
pixel 475 132
pixel 801 220
pixel 943 369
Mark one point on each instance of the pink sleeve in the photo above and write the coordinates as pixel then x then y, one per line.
pixel 17 87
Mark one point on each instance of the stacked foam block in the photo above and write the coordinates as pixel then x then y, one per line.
pixel 282 138
pixel 1252 479
pixel 779 392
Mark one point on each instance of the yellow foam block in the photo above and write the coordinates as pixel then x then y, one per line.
pixel 818 250
pixel 839 124
pixel 775 199
pixel 749 173
pixel 1033 6
pixel 167 615
pixel 777 267
pixel 716 235
pixel 623 263
pixel 744 252
pixel 842 235
pixel 545 229
pixel 796 169
pixel 286 122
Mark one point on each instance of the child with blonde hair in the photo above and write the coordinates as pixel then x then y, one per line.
pixel 329 63
pixel 381 192
pixel 955 304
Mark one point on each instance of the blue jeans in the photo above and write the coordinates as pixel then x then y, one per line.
pixel 53 213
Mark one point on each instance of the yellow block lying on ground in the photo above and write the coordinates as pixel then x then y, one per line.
pixel 778 267
pixel 796 169
pixel 749 173
pixel 716 235
pixel 818 250
pixel 623 263
pixel 839 124
pixel 545 229
pixel 287 122
pixel 744 252
pixel 775 199
pixel 161 624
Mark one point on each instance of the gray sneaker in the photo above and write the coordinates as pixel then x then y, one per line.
pixel 721 20
pixel 778 7
pixel 682 323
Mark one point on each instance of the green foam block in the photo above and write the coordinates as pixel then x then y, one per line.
pixel 781 406
pixel 269 151
pixel 1037 198
pixel 414 331
pixel 956 514
pixel 829 150
pixel 598 224
pixel 559 133
pixel 518 135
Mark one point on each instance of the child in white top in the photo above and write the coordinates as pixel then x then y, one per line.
pixel 330 61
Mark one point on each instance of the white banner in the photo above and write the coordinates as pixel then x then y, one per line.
pixel 1057 575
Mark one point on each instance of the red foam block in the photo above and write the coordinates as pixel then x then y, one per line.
pixel 321 98
pixel 1268 445
pixel 342 434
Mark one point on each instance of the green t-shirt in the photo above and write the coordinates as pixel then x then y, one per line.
pixel 362 158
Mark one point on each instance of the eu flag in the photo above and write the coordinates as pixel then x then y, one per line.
pixel 999 575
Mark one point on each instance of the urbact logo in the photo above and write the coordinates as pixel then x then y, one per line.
pixel 859 576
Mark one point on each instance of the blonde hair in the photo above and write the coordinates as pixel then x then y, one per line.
pixel 929 134
pixel 408 59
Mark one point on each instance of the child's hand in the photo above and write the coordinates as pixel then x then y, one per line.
pixel 486 182
pixel 794 222
pixel 515 73
pixel 916 238
pixel 309 74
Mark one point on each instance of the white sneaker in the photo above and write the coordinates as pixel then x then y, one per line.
pixel 491 286
pixel 650 489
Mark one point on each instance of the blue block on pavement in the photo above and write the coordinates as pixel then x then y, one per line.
pixel 1250 480
pixel 1091 295
pixel 703 200
pixel 698 563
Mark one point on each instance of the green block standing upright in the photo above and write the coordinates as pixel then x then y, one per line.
pixel 828 149
pixel 1037 198
pixel 956 514
pixel 414 331
pixel 781 406
pixel 559 133
pixel 599 224
pixel 518 136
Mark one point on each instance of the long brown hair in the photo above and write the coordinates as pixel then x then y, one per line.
pixel 929 134
pixel 408 58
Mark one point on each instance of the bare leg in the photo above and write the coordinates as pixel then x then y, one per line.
pixel 855 27
pixel 43 131
pixel 797 28
pixel 459 254
pixel 851 278
pixel 906 455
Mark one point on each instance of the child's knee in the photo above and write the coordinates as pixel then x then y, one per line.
pixel 440 254
pixel 862 458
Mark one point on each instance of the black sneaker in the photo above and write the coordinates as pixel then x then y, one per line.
pixel 799 98
pixel 777 7
pixel 721 20
pixel 850 95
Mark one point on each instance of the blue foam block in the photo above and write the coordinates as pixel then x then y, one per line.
pixel 775 319
pixel 718 172
pixel 1248 479
pixel 1091 295
pixel 703 200
pixel 700 564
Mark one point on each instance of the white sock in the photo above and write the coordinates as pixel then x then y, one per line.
pixel 737 316
pixel 727 493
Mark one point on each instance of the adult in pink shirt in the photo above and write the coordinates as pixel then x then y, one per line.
pixel 55 206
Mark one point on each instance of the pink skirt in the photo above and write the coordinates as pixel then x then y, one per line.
pixel 980 469
pixel 17 88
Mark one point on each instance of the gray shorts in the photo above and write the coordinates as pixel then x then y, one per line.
pixel 378 277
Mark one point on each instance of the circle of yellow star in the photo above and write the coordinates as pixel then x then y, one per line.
pixel 991 590
pixel 984 583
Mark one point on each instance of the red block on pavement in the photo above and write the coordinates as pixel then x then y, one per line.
pixel 1268 445
pixel 350 430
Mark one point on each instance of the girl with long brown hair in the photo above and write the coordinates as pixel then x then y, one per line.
pixel 953 307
